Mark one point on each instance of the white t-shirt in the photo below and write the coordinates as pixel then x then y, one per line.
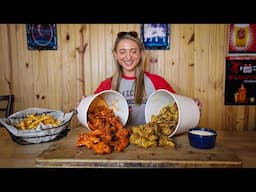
pixel 137 112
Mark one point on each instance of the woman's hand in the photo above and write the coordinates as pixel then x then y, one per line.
pixel 199 103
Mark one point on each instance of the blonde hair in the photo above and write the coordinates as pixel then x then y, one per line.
pixel 139 91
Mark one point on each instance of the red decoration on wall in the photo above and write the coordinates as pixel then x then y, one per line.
pixel 240 83
pixel 242 38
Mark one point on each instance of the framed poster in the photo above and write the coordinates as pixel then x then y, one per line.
pixel 155 36
pixel 242 39
pixel 41 36
pixel 240 84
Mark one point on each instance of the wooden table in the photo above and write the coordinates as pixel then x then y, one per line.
pixel 66 154
pixel 13 155
pixel 233 149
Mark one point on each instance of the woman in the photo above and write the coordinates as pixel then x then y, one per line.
pixel 130 79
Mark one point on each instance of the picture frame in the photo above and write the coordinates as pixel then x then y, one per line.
pixel 155 36
pixel 242 39
pixel 240 80
pixel 41 36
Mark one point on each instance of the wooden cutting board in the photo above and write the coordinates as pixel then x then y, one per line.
pixel 64 153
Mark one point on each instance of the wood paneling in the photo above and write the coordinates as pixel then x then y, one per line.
pixel 57 79
pixel 5 72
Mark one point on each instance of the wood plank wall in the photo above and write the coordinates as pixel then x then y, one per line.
pixel 57 79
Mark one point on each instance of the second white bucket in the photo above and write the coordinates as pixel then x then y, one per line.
pixel 189 113
pixel 114 101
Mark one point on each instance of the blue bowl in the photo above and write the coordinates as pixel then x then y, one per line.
pixel 202 138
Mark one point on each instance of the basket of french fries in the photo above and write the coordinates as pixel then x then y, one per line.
pixel 37 125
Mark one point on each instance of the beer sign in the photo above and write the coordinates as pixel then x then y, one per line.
pixel 242 38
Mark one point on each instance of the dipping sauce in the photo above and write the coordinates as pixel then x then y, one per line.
pixel 201 132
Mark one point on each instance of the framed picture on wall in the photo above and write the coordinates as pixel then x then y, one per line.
pixel 155 36
pixel 240 82
pixel 41 36
pixel 242 39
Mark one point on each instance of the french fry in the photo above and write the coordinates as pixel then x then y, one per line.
pixel 32 121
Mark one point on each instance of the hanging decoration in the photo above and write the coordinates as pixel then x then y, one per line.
pixel 155 36
pixel 41 36
pixel 242 39
pixel 240 84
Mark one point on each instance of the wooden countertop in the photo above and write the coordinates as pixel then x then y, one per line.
pixel 233 149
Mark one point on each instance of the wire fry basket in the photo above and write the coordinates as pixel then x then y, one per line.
pixel 41 134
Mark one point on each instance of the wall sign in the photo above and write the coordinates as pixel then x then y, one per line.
pixel 41 36
pixel 242 38
pixel 155 36
pixel 240 85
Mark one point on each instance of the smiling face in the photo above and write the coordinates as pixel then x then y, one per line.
pixel 128 55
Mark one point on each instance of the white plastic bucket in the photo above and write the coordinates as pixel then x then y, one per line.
pixel 189 113
pixel 114 101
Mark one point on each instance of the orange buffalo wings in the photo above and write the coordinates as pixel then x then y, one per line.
pixel 108 133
